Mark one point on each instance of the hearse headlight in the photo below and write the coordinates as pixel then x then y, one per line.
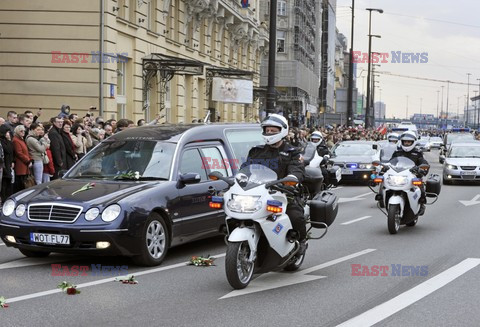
pixel 111 213
pixel 20 210
pixel 8 207
pixel 91 214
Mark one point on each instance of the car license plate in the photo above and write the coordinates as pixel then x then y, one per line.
pixel 469 173
pixel 346 171
pixel 50 238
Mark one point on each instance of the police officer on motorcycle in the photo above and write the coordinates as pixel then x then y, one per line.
pixel 285 160
pixel 390 147
pixel 407 148
pixel 322 149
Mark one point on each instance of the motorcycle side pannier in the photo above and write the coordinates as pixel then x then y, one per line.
pixel 434 184
pixel 324 208
pixel 313 179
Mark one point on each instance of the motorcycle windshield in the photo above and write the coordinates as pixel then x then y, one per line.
pixel 309 152
pixel 254 175
pixel 400 164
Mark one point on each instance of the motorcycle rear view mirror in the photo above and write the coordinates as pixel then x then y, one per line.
pixel 377 163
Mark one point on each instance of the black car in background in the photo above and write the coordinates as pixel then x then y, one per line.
pixel 136 194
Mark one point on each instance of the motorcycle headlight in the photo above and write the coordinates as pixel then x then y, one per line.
pixel 452 167
pixel 91 214
pixel 111 213
pixel 397 180
pixel 365 166
pixel 8 207
pixel 20 210
pixel 244 203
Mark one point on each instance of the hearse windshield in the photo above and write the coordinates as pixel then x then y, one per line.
pixel 126 159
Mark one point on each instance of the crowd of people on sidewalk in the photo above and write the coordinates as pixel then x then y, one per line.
pixel 30 146
pixel 39 148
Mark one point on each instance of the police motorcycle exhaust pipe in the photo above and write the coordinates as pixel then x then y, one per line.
pixel 400 191
pixel 260 236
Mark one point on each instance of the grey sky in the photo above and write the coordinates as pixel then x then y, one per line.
pixel 419 26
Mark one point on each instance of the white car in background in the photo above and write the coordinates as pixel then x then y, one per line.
pixel 462 163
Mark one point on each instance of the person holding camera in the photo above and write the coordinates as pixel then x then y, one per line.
pixel 81 139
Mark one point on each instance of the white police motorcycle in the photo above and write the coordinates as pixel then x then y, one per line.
pixel 400 191
pixel 260 237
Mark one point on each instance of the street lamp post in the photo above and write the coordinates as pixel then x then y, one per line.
pixel 468 94
pixel 368 109
pixel 272 57
pixel 406 112
pixel 438 117
pixel 350 75
pixel 475 111
pixel 478 114
pixel 441 111
pixel 446 114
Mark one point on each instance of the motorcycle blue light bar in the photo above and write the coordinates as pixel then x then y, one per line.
pixel 217 199
pixel 353 165
pixel 274 203
pixel 459 130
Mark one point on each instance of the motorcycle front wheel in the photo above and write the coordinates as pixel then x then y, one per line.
pixel 393 218
pixel 237 267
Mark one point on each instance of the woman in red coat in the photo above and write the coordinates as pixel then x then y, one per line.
pixel 23 161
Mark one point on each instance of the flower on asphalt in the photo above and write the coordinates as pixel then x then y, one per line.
pixel 3 302
pixel 202 261
pixel 68 288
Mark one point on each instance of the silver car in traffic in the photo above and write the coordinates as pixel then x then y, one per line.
pixel 462 163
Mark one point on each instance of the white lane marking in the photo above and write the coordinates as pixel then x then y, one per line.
pixel 335 261
pixel 102 281
pixel 336 188
pixel 411 296
pixel 355 198
pixel 273 280
pixel 355 220
pixel 2 243
pixel 471 202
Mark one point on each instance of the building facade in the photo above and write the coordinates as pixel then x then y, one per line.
pixel 297 66
pixel 129 58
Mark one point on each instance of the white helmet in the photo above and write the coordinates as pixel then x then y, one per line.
pixel 408 136
pixel 316 136
pixel 392 137
pixel 275 120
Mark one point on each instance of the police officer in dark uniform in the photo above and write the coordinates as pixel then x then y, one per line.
pixel 407 148
pixel 285 160
pixel 322 150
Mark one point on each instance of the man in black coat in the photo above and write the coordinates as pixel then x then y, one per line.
pixel 57 146
pixel 285 160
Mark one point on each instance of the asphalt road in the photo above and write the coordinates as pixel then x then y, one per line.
pixel 325 292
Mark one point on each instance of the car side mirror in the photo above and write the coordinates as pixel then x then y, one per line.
pixel 374 146
pixel 188 178
pixel 62 173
